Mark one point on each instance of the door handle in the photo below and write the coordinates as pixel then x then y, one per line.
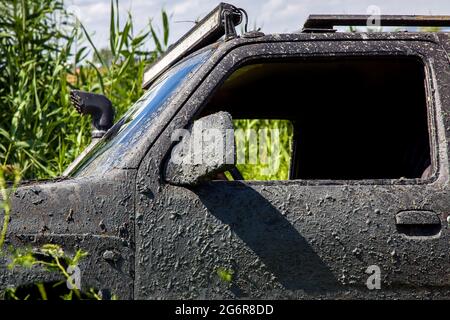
pixel 418 223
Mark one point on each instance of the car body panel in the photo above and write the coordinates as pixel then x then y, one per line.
pixel 281 239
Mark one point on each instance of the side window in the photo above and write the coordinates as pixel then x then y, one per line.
pixel 264 148
pixel 343 118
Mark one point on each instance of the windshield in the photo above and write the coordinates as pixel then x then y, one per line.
pixel 125 135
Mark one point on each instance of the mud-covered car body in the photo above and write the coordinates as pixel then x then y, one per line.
pixel 300 238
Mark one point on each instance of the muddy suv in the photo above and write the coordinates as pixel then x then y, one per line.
pixel 161 206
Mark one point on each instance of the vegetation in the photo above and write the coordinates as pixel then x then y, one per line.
pixel 44 53
pixel 53 258
pixel 270 158
pixel 7 173
pixel 226 275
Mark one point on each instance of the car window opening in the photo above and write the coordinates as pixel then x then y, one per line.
pixel 342 118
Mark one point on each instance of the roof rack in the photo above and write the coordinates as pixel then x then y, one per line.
pixel 329 21
pixel 219 22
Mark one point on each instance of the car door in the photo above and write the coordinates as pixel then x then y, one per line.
pixel 300 237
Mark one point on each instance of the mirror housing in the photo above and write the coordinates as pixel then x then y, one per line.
pixel 205 150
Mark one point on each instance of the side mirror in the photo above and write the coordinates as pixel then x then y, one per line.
pixel 204 151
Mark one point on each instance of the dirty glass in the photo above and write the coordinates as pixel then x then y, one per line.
pixel 126 134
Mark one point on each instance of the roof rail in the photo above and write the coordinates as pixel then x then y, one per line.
pixel 219 22
pixel 329 21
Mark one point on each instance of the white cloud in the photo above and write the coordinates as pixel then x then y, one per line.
pixel 185 7
pixel 270 8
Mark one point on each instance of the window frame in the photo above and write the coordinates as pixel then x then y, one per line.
pixel 425 50
pixel 293 154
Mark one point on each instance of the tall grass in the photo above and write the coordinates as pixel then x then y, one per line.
pixel 44 53
pixel 271 154
pixel 7 173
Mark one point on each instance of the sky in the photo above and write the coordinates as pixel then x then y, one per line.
pixel 273 16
